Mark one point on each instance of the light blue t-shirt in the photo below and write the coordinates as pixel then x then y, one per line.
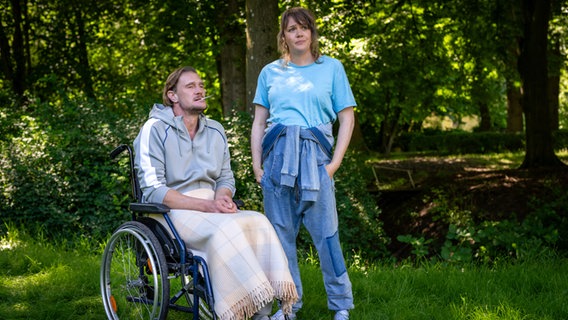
pixel 307 96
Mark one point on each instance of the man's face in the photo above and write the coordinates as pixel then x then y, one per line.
pixel 189 93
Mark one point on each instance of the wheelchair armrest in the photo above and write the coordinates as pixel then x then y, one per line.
pixel 239 203
pixel 149 207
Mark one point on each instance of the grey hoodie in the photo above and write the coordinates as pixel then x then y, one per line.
pixel 166 158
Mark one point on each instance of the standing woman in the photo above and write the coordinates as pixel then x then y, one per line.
pixel 298 98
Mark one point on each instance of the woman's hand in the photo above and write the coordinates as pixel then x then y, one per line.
pixel 258 173
pixel 257 133
pixel 346 124
pixel 331 169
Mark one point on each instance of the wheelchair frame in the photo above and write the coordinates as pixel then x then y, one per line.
pixel 141 258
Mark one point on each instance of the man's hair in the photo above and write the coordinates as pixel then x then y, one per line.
pixel 172 81
pixel 306 19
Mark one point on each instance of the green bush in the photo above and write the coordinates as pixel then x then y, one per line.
pixel 57 173
pixel 360 229
pixel 461 142
pixel 560 139
pixel 542 232
pixel 238 128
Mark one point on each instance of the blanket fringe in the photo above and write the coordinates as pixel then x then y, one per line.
pixel 251 303
pixel 266 293
pixel 287 294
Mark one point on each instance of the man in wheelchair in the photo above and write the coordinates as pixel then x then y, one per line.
pixel 182 160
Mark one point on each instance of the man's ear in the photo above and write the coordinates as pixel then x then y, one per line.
pixel 173 96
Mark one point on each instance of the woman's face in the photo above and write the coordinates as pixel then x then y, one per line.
pixel 298 37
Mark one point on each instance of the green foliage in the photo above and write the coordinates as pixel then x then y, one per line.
pixel 360 228
pixel 420 245
pixel 57 171
pixel 491 241
pixel 551 216
pixel 405 60
pixel 560 139
pixel 539 234
pixel 238 129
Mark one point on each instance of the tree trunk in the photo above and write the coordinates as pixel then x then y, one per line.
pixel 26 31
pixel 511 62
pixel 533 69
pixel 389 127
pixel 555 65
pixel 232 58
pixel 84 67
pixel 479 96
pixel 485 125
pixel 18 82
pixel 514 108
pixel 262 28
pixel 357 139
pixel 5 55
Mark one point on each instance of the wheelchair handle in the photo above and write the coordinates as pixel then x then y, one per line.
pixel 118 150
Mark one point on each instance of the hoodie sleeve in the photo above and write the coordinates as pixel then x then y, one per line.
pixel 149 163
pixel 226 179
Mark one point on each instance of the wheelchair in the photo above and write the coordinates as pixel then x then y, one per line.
pixel 143 258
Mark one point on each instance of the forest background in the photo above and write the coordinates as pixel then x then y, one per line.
pixel 78 78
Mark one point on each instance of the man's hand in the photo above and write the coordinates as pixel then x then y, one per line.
pixel 224 204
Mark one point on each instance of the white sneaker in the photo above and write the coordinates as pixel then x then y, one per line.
pixel 341 315
pixel 279 315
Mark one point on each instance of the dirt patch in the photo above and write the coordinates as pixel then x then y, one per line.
pixel 490 194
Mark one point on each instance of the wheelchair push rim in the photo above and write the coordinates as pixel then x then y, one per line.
pixel 134 275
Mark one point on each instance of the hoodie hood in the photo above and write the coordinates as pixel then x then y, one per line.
pixel 166 114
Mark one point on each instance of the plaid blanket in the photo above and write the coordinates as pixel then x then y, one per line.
pixel 245 258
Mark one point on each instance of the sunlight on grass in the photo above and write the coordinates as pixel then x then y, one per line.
pixel 7 244
pixel 39 280
pixel 563 155
pixel 43 281
pixel 401 170
pixel 10 240
pixel 501 312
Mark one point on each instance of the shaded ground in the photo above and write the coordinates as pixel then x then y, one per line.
pixel 489 193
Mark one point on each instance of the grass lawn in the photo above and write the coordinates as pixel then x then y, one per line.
pixel 40 280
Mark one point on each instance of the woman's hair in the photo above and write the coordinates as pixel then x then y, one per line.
pixel 306 19
pixel 172 81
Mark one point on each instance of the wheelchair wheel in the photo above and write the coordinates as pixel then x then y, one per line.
pixel 134 275
pixel 205 312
